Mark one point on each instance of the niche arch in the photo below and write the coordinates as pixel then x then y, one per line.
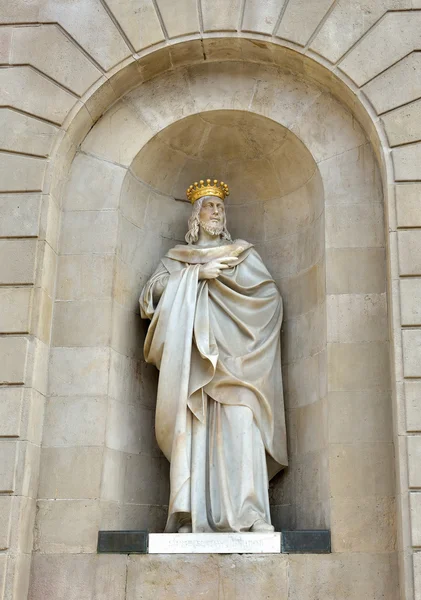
pixel 347 194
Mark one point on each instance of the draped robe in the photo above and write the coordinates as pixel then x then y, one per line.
pixel 220 413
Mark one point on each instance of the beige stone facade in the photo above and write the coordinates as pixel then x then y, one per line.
pixel 311 112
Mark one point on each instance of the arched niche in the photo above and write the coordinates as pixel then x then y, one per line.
pixel 321 236
pixel 277 203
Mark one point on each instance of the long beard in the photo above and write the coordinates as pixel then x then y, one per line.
pixel 212 229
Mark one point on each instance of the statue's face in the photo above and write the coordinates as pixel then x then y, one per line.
pixel 212 213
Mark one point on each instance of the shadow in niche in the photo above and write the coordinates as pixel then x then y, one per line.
pixel 276 203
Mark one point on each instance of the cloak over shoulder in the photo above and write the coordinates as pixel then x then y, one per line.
pixel 217 338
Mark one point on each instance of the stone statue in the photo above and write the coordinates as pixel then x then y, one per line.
pixel 215 337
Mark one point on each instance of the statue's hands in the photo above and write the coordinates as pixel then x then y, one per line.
pixel 213 268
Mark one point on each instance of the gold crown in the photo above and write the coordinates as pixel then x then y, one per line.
pixel 202 188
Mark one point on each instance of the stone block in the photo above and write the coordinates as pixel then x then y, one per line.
pixel 308 437
pixel 85 277
pixel 10 412
pixel 46 275
pixel 374 477
pixel 222 86
pixel 355 367
pixel 134 200
pixel 13 352
pixel 70 67
pixel 413 405
pixel 164 101
pixel 182 19
pixel 359 417
pixel 117 516
pixel 406 160
pixel 50 221
pixel 128 331
pixel 352 177
pixel 3 566
pixel 41 319
pixel 336 132
pixel 5 44
pixel 93 184
pixel 78 421
pixel 132 380
pixel 21 173
pixel 90 25
pixel 409 246
pixel 300 20
pixel 139 21
pixel 21 133
pixel 112 487
pixel 355 270
pixel 22 524
pixel 304 381
pixel 14 309
pixel 9 452
pixel 17 261
pixel 292 212
pixel 146 479
pixel 67 526
pixel 27 469
pixel 82 323
pixel 283 97
pixel 5 521
pixel 402 81
pixel 89 232
pixel 411 339
pixel 403 124
pixel 20 214
pixel 417 574
pixel 303 292
pixel 147 165
pixel 415 514
pixel 414 458
pixel 128 284
pixel 78 577
pixel 296 253
pixel 118 136
pixel 33 416
pixel 408 204
pixel 304 335
pixel 355 226
pixel 27 90
pixel 350 576
pixel 357 318
pixel 244 577
pixel 260 18
pixel 70 473
pixel 346 24
pixel 363 524
pixel 410 301
pixel 79 371
pixel 221 17
pixel 385 44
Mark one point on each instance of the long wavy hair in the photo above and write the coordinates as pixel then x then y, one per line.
pixel 192 235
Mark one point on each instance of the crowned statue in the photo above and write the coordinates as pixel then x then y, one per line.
pixel 214 335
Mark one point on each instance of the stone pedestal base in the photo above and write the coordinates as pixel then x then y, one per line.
pixel 357 576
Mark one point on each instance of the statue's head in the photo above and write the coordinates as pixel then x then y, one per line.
pixel 209 214
pixel 208 211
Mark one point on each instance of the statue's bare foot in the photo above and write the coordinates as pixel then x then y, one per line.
pixel 260 526
pixel 187 528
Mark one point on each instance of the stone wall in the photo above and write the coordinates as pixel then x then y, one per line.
pixel 64 66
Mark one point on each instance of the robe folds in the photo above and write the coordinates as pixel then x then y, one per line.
pixel 220 417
